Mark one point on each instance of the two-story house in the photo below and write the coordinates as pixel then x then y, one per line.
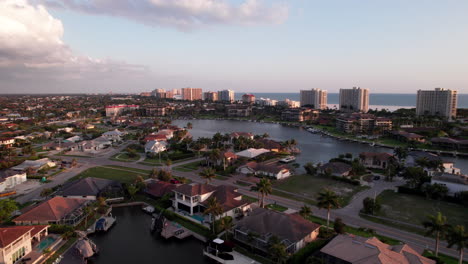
pixel 191 200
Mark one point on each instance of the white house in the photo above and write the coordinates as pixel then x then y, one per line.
pixel 65 129
pixel 74 139
pixel 7 141
pixel 154 146
pixel 114 135
pixel 9 179
pixel 92 145
pixel 270 170
pixel 191 200
pixel 252 152
pixel 16 241
pixel 454 182
pixel 35 164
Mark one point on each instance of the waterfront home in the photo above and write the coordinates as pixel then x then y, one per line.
pixel 337 168
pixel 450 143
pixel 191 200
pixel 158 189
pixel 271 145
pixel 354 249
pixel 155 137
pixel 252 153
pixel 18 242
pixel 34 164
pixel 235 110
pixel 90 188
pixel 300 114
pixel 376 160
pixel 407 137
pixel 154 147
pixel 236 135
pixel 455 183
pixel 265 169
pixel 262 224
pixel 56 210
pixel 9 179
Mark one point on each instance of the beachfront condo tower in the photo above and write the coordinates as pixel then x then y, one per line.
pixel 437 102
pixel 355 99
pixel 315 98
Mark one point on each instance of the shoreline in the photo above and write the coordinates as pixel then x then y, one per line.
pixel 298 125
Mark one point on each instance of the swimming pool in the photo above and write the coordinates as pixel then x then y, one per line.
pixel 198 218
pixel 45 243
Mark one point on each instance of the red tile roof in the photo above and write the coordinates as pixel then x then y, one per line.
pixel 9 234
pixel 159 188
pixel 53 209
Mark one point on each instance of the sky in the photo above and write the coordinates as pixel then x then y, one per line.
pixel 101 46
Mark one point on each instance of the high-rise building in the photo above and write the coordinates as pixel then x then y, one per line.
pixel 355 99
pixel 191 94
pixel 248 98
pixel 315 98
pixel 210 96
pixel 437 102
pixel 226 95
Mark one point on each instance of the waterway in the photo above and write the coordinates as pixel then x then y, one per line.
pixel 130 241
pixel 314 147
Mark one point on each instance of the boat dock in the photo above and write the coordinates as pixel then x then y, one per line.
pixel 172 229
pixel 238 258
pixel 102 224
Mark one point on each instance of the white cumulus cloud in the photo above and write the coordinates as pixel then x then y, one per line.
pixel 182 14
pixel 32 51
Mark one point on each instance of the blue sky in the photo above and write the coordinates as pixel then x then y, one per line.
pixel 386 46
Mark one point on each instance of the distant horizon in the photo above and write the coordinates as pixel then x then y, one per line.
pixel 64 46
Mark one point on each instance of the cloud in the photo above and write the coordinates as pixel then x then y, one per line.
pixel 181 14
pixel 32 51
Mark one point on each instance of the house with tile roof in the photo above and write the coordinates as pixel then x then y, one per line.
pixel 272 170
pixel 56 210
pixel 376 160
pixel 90 188
pixel 17 242
pixel 191 200
pixel 339 169
pixel 261 225
pixel 353 249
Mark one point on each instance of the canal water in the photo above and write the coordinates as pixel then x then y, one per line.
pixel 314 147
pixel 130 241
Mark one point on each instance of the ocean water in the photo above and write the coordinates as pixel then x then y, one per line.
pixel 379 100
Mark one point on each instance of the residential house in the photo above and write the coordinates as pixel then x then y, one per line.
pixel 351 249
pixel 455 183
pixel 292 230
pixel 376 160
pixel 56 210
pixel 191 200
pixel 155 147
pixel 158 189
pixel 450 143
pixel 34 164
pixel 337 168
pixel 65 129
pixel 252 153
pixel 58 146
pixel 90 188
pixel 407 137
pixel 9 179
pixel 155 137
pixel 265 169
pixel 7 142
pixel 17 242
pixel 235 135
pixel 114 135
pixel 270 145
pixel 92 145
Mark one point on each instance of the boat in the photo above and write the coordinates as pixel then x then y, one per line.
pixel 288 159
pixel 104 223
pixel 148 209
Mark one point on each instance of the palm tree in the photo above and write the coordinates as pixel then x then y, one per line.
pixel 278 251
pixel 189 125
pixel 459 237
pixel 327 199
pixel 436 224
pixel 226 225
pixel 208 174
pixel 305 211
pixel 265 188
pixel 213 208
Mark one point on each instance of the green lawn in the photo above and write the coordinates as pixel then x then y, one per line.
pixel 124 157
pixel 414 209
pixel 446 259
pixel 188 167
pixel 129 168
pixel 111 174
pixel 277 207
pixel 307 188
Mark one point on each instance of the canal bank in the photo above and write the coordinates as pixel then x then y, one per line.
pixel 130 241
pixel 314 147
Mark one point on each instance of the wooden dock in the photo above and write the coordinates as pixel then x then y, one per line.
pixel 172 229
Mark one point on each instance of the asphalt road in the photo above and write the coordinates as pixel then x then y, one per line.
pixel 349 214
